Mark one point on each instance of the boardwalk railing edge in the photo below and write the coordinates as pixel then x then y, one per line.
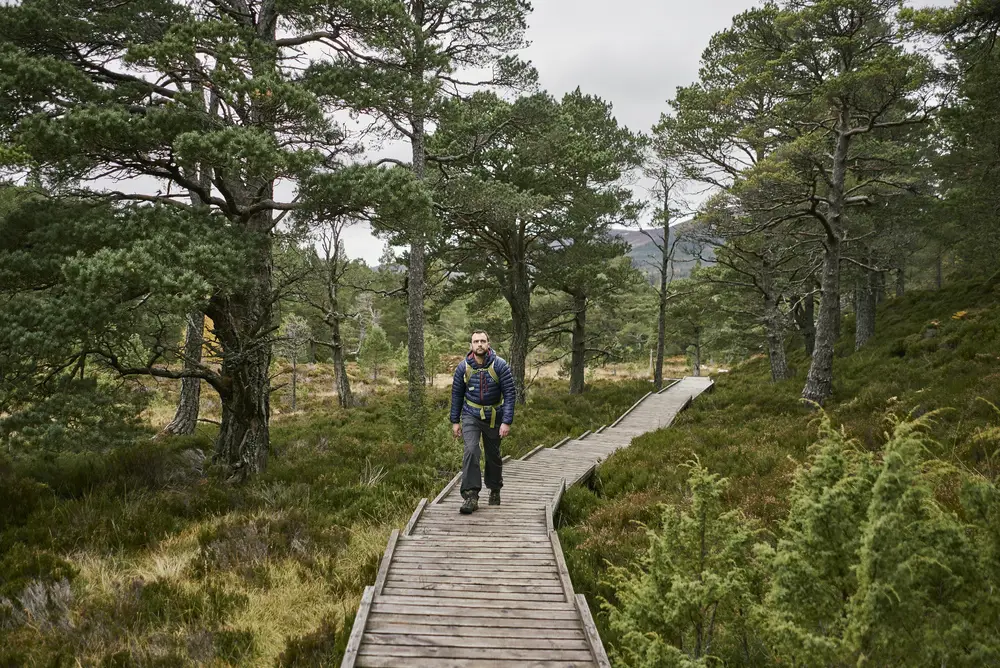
pixel 358 630
pixel 631 408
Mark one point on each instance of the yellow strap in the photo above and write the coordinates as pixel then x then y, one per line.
pixel 482 411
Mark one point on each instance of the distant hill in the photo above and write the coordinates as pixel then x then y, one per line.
pixel 646 255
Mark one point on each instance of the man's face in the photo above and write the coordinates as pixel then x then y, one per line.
pixel 480 344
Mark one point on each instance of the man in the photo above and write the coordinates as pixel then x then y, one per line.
pixel 482 388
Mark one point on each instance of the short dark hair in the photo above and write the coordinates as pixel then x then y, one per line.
pixel 480 331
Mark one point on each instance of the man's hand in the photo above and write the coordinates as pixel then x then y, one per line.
pixel 504 430
pixel 456 430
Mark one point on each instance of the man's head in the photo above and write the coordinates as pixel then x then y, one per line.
pixel 480 343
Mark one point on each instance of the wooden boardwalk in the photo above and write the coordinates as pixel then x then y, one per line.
pixel 491 588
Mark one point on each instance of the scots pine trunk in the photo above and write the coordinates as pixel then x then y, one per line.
pixel 900 282
pixel 819 381
pixel 939 269
pixel 661 327
pixel 579 345
pixel 775 339
pixel 696 371
pixel 415 375
pixel 864 309
pixel 333 318
pixel 805 319
pixel 518 295
pixel 186 418
pixel 243 322
pixel 343 383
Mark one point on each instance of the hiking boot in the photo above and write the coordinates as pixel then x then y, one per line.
pixel 494 497
pixel 470 506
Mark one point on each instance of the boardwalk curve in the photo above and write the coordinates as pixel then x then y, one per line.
pixel 491 588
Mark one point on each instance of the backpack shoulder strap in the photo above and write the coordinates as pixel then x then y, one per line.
pixel 468 371
pixel 493 372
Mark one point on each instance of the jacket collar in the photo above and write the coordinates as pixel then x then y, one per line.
pixel 487 359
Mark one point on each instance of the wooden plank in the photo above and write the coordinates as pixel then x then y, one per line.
pixel 445 608
pixel 483 641
pixel 632 408
pixel 449 540
pixel 602 428
pixel 474 653
pixel 457 605
pixel 596 646
pixel 457 586
pixel 447 488
pixel 548 519
pixel 473 560
pixel 560 443
pixel 491 532
pixel 357 631
pixel 462 540
pixel 375 625
pixel 567 584
pixel 450 597
pixel 406 578
pixel 464 570
pixel 383 568
pixel 473 623
pixel 376 661
pixel 583 435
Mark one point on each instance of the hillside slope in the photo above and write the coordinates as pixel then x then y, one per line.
pixel 934 351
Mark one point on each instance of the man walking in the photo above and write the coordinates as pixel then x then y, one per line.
pixel 482 388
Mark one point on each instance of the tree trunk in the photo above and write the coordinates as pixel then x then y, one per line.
pixel 578 366
pixel 879 286
pixel 696 371
pixel 295 373
pixel 186 418
pixel 939 268
pixel 775 339
pixel 805 319
pixel 819 382
pixel 415 376
pixel 518 295
pixel 900 282
pixel 342 382
pixel 661 327
pixel 864 309
pixel 243 325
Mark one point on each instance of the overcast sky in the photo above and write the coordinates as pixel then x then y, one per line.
pixel 632 53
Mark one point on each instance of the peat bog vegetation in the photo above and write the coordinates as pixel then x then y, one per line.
pixel 916 407
pixel 145 556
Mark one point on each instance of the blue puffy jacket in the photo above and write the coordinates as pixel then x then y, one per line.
pixel 482 389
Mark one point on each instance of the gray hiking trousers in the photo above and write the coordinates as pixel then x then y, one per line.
pixel 472 429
